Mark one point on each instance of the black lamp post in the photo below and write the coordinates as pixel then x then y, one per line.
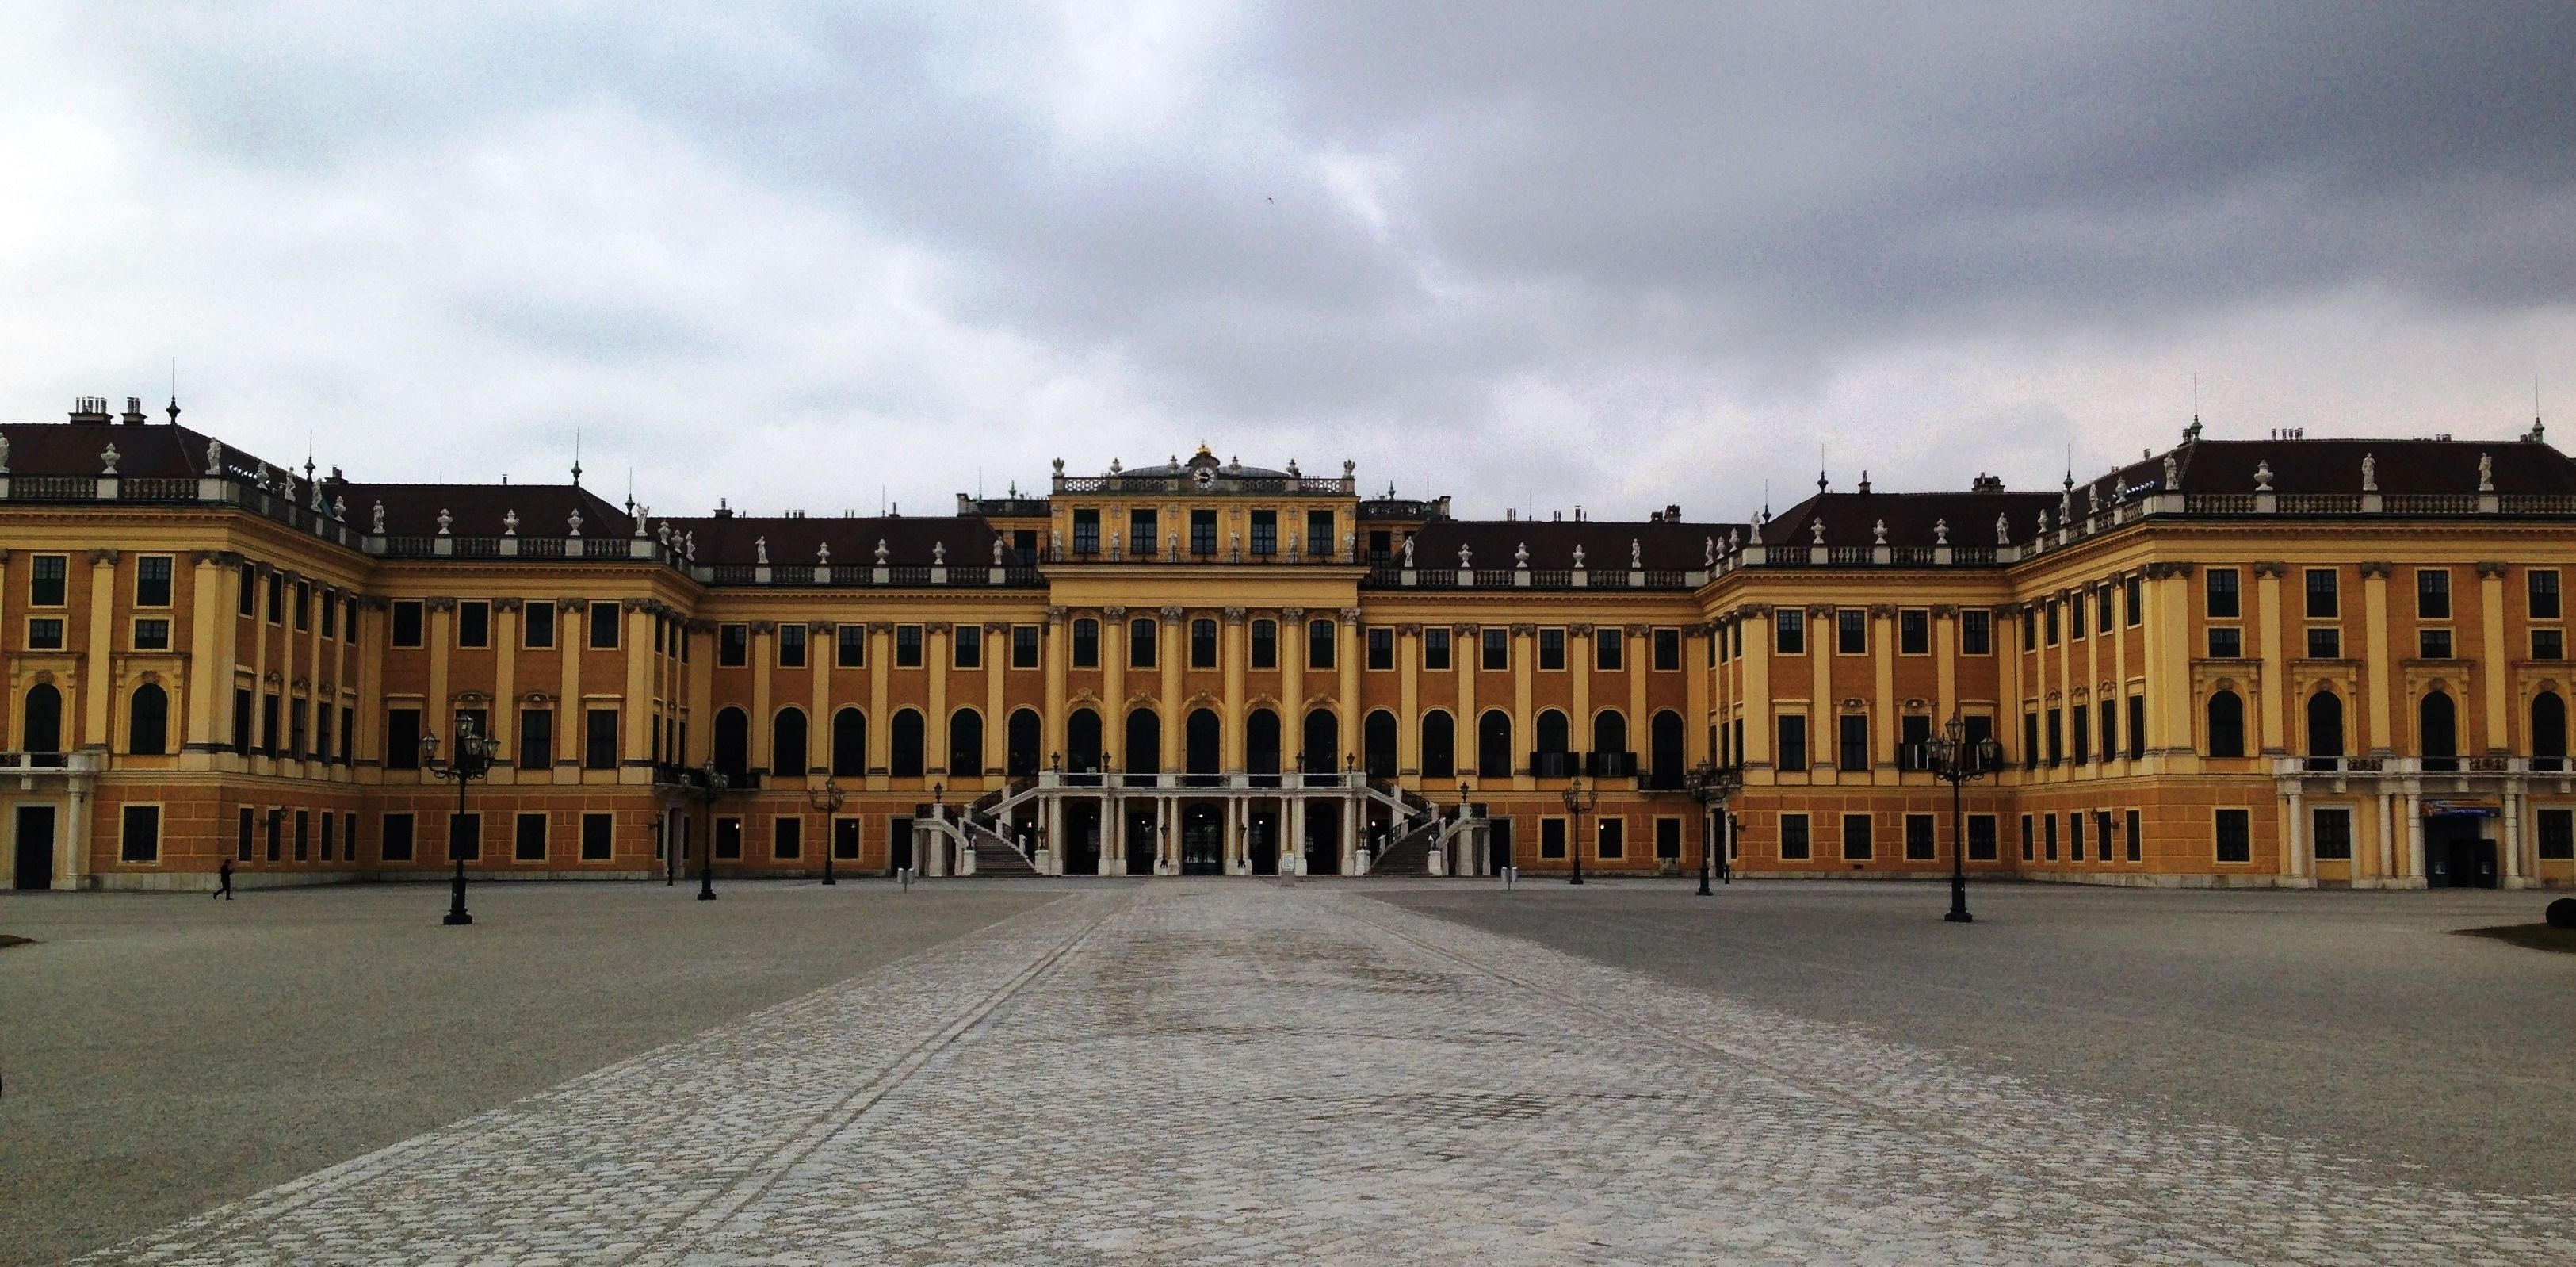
pixel 1710 782
pixel 472 760
pixel 827 798
pixel 1955 759
pixel 1579 801
pixel 712 783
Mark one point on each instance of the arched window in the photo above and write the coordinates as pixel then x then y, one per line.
pixel 2226 724
pixel 1144 755
pixel 1439 745
pixel 733 744
pixel 1377 744
pixel 1082 742
pixel 1664 739
pixel 1554 734
pixel 1610 756
pixel 2548 731
pixel 1323 742
pixel 1494 745
pixel 787 743
pixel 1201 743
pixel 2325 727
pixel 44 731
pixel 2439 732
pixel 849 743
pixel 904 762
pixel 1021 743
pixel 1261 742
pixel 966 744
pixel 147 721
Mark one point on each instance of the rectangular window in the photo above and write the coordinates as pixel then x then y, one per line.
pixel 1851 631
pixel 2226 643
pixel 728 843
pixel 1319 533
pixel 2433 644
pixel 787 838
pixel 464 837
pixel 152 633
pixel 303 605
pixel 1497 655
pixel 2325 642
pixel 598 837
pixel 2027 838
pixel 247 603
pixel 1789 631
pixel 1794 846
pixel 1086 532
pixel 2075 615
pixel 322 732
pixel 537 624
pixel 2333 834
pixel 402 738
pixel 733 646
pixel 2234 830
pixel 2051 618
pixel 602 615
pixel 276 597
pixel 2432 595
pixel 1144 533
pixel 2225 594
pixel 1981 838
pixel 2030 740
pixel 2079 717
pixel 1668 839
pixel 396 829
pixel 1265 644
pixel 850 645
pixel 1140 644
pixel 1976 631
pixel 1612 839
pixel 599 739
pixel 2048 837
pixel 536 738
pixel 2543 588
pixel 407 622
pixel 45 633
pixel 1914 741
pixel 1854 742
pixel 1551 650
pixel 2323 602
pixel 1319 644
pixel 2129 834
pixel 966 647
pixel 2558 833
pixel 1203 532
pixel 331 617
pixel 1551 838
pixel 791 646
pixel 1203 644
pixel 529 839
pixel 1913 632
pixel 299 718
pixel 1024 646
pixel 2029 631
pixel 907 646
pixel 1668 650
pixel 845 839
pixel 2056 736
pixel 1792 748
pixel 2133 601
pixel 1381 648
pixel 2102 610
pixel 331 837
pixel 152 580
pixel 2137 727
pixel 2075 836
pixel 1381 543
pixel 141 840
pixel 1609 649
pixel 47 585
pixel 1918 838
pixel 1856 841
pixel 2102 831
pixel 2109 717
pixel 473 623
pixel 268 718
pixel 1435 650
pixel 2548 644
pixel 1265 533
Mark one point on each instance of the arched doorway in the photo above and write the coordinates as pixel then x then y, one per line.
pixel 1377 744
pixel 2438 732
pixel 1200 748
pixel 2548 731
pixel 733 744
pixel 1261 747
pixel 965 744
pixel 2325 730
pixel 1439 746
pixel 1022 742
pixel 1664 737
pixel 905 761
pixel 1323 752
pixel 1494 744
pixel 1144 757
pixel 1082 742
pixel 1202 839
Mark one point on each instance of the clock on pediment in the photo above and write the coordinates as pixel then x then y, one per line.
pixel 1204 477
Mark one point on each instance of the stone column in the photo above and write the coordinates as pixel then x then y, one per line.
pixel 2269 701
pixel 98 678
pixel 208 669
pixel 2494 669
pixel 1754 669
pixel 1408 718
pixel 635 718
pixel 997 722
pixel 2373 721
pixel 573 637
pixel 935 653
pixel 1170 655
pixel 1054 647
pixel 505 687
pixel 1524 728
pixel 1234 754
pixel 1882 723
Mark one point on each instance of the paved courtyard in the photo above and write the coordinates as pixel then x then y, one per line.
pixel 1231 1072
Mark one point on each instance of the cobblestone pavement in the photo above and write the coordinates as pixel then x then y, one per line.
pixel 1224 1072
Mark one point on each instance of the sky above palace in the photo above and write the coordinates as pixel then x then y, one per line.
pixel 826 256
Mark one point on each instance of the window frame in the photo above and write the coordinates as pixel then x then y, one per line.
pixel 168 582
pixel 2221 816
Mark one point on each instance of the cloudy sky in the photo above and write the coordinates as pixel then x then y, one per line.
pixel 1531 255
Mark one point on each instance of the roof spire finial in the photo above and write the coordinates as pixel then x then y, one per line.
pixel 576 460
pixel 174 391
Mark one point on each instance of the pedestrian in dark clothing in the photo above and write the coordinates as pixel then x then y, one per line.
pixel 224 873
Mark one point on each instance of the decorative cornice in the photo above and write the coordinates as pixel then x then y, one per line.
pixel 2491 571
pixel 2380 569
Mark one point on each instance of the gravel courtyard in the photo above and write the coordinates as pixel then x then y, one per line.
pixel 1234 1071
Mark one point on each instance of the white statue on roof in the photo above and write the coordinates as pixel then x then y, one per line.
pixel 823 554
pixel 214 456
pixel 1408 550
pixel 339 508
pixel 881 552
pixel 1636 554
pixel 689 542
pixel 2043 521
pixel 663 531
pixel 2263 476
pixel 1708 551
pixel 1578 556
pixel 1878 533
pixel 574 519
pixel 2369 473
pixel 643 517
pixel 1462 556
pixel 939 554
pixel 109 455
pixel 997 551
pixel 1520 555
pixel 1734 541
pixel 510 523
pixel 1816 526
pixel 444 519
pixel 760 551
pixel 2003 530
pixel 380 519
pixel 2173 474
pixel 2486 473
pixel 4 455
pixel 2092 500
pixel 1940 532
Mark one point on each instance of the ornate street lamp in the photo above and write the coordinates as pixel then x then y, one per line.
pixel 827 798
pixel 1955 759
pixel 1708 782
pixel 1579 801
pixel 712 783
pixel 472 760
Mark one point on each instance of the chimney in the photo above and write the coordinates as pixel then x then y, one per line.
pixel 1672 513
pixel 90 411
pixel 134 411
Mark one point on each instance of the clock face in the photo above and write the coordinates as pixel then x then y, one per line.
pixel 1206 476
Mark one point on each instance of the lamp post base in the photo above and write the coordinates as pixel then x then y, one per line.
pixel 1960 917
pixel 1704 890
pixel 457 917
pixel 456 913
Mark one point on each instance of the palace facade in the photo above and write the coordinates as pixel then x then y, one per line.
pixel 2238 662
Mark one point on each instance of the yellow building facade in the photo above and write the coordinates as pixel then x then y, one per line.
pixel 2277 662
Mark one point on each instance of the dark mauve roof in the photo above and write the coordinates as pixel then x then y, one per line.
pixel 2334 466
pixel 1850 518
pixel 1676 547
pixel 729 539
pixel 476 510
pixel 151 451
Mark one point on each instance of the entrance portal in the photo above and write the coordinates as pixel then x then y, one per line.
pixel 1202 840
pixel 1498 845
pixel 35 868
pixel 1142 847
pixel 1081 842
pixel 898 845
pixel 1323 837
pixel 1261 840
pixel 2454 856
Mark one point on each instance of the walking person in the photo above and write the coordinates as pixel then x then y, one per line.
pixel 224 874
